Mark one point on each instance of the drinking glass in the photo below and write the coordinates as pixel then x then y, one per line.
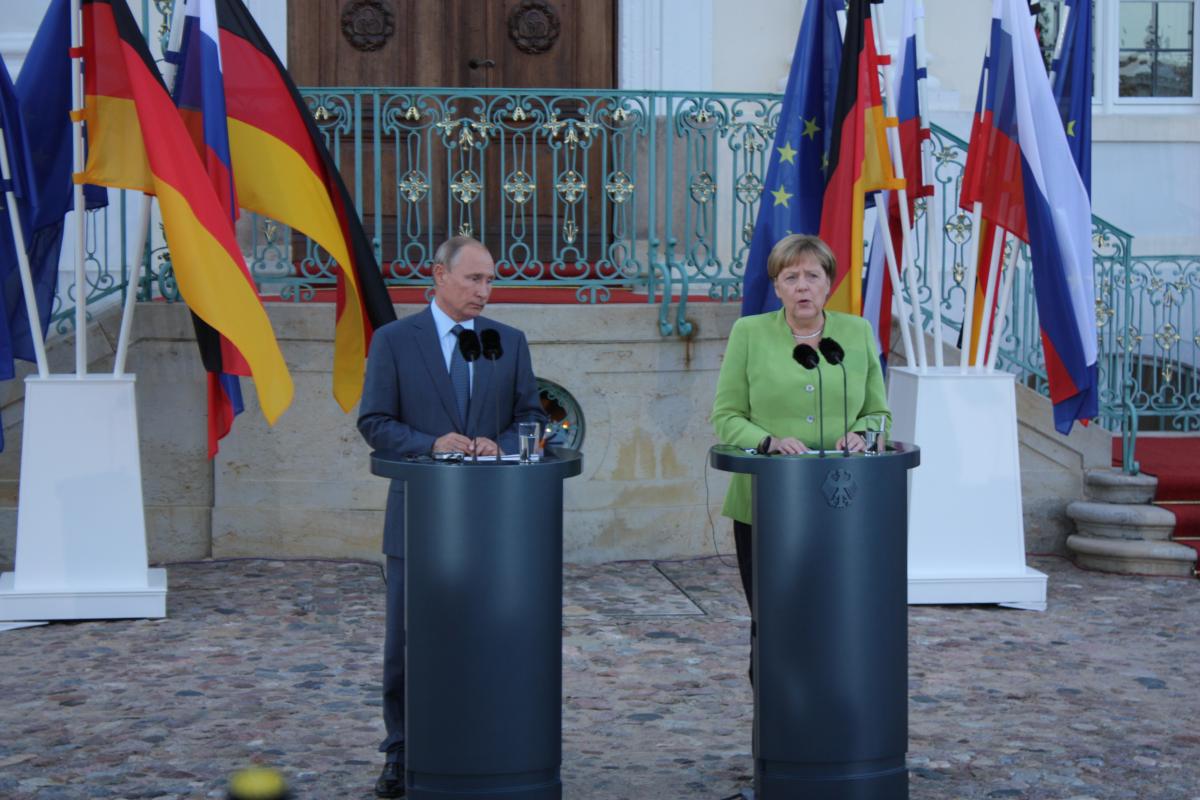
pixel 528 437
pixel 874 436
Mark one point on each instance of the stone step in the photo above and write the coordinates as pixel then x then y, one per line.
pixel 1112 485
pixel 1121 520
pixel 1131 556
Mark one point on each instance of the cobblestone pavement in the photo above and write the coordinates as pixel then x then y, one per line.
pixel 269 662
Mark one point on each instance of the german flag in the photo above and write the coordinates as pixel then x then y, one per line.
pixel 858 157
pixel 283 170
pixel 137 140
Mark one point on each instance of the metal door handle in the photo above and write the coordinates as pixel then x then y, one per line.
pixel 476 63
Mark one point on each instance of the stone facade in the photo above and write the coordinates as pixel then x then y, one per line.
pixel 303 488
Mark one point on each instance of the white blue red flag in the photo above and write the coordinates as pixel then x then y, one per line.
pixel 199 92
pixel 877 287
pixel 1020 169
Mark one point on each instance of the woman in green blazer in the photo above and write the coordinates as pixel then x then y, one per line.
pixel 766 401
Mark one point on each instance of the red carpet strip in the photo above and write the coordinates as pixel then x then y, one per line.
pixel 1175 461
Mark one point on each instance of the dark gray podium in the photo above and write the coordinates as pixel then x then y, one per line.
pixel 830 601
pixel 483 599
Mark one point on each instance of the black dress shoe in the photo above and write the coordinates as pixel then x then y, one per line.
pixel 391 780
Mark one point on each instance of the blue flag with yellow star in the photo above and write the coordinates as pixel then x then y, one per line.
pixel 794 190
pixel 1073 85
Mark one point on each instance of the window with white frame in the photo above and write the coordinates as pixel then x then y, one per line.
pixel 1156 48
pixel 1144 50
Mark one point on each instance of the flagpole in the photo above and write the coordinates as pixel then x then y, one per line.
pixel 1005 300
pixel 973 256
pixel 81 348
pixel 131 292
pixel 14 218
pixel 1058 42
pixel 933 232
pixel 969 288
pixel 986 318
pixel 907 248
pixel 889 256
pixel 174 42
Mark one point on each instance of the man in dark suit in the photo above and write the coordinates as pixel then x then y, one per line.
pixel 420 397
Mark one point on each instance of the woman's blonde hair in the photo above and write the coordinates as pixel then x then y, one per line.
pixel 790 249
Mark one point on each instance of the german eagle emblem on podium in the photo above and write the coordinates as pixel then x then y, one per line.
pixel 839 488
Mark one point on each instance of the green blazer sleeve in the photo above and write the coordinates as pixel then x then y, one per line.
pixel 731 406
pixel 875 400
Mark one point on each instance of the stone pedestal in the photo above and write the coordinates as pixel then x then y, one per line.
pixel 1120 530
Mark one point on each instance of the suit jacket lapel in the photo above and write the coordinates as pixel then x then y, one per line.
pixel 435 364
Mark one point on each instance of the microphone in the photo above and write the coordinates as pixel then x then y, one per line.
pixel 492 350
pixel 468 345
pixel 836 356
pixel 490 339
pixel 806 357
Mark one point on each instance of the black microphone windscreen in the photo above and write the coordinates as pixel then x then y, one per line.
pixel 832 351
pixel 492 349
pixel 806 357
pixel 468 345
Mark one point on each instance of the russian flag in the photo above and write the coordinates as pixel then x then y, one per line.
pixel 199 92
pixel 877 289
pixel 1022 173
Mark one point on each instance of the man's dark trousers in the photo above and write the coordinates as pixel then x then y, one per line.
pixel 393 663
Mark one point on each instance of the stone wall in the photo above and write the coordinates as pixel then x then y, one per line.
pixel 303 488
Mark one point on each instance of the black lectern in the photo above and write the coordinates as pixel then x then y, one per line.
pixel 483 599
pixel 830 600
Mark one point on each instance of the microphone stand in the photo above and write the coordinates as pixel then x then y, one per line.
pixel 807 357
pixel 495 408
pixel 845 415
pixel 821 409
pixel 492 350
pixel 469 348
pixel 836 356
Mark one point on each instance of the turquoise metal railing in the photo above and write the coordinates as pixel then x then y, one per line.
pixel 105 267
pixel 654 194
pixel 1162 332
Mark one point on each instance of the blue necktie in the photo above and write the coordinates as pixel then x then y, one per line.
pixel 460 378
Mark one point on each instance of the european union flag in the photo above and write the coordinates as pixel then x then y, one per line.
pixel 1073 85
pixel 16 179
pixel 43 103
pixel 794 190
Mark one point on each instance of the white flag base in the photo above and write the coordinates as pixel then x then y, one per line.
pixel 966 533
pixel 81 527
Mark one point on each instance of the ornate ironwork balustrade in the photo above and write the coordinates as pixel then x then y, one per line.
pixel 652 196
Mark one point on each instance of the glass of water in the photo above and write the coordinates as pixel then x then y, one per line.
pixel 874 436
pixel 529 438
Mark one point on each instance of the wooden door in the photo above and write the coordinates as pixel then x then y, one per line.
pixel 480 44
